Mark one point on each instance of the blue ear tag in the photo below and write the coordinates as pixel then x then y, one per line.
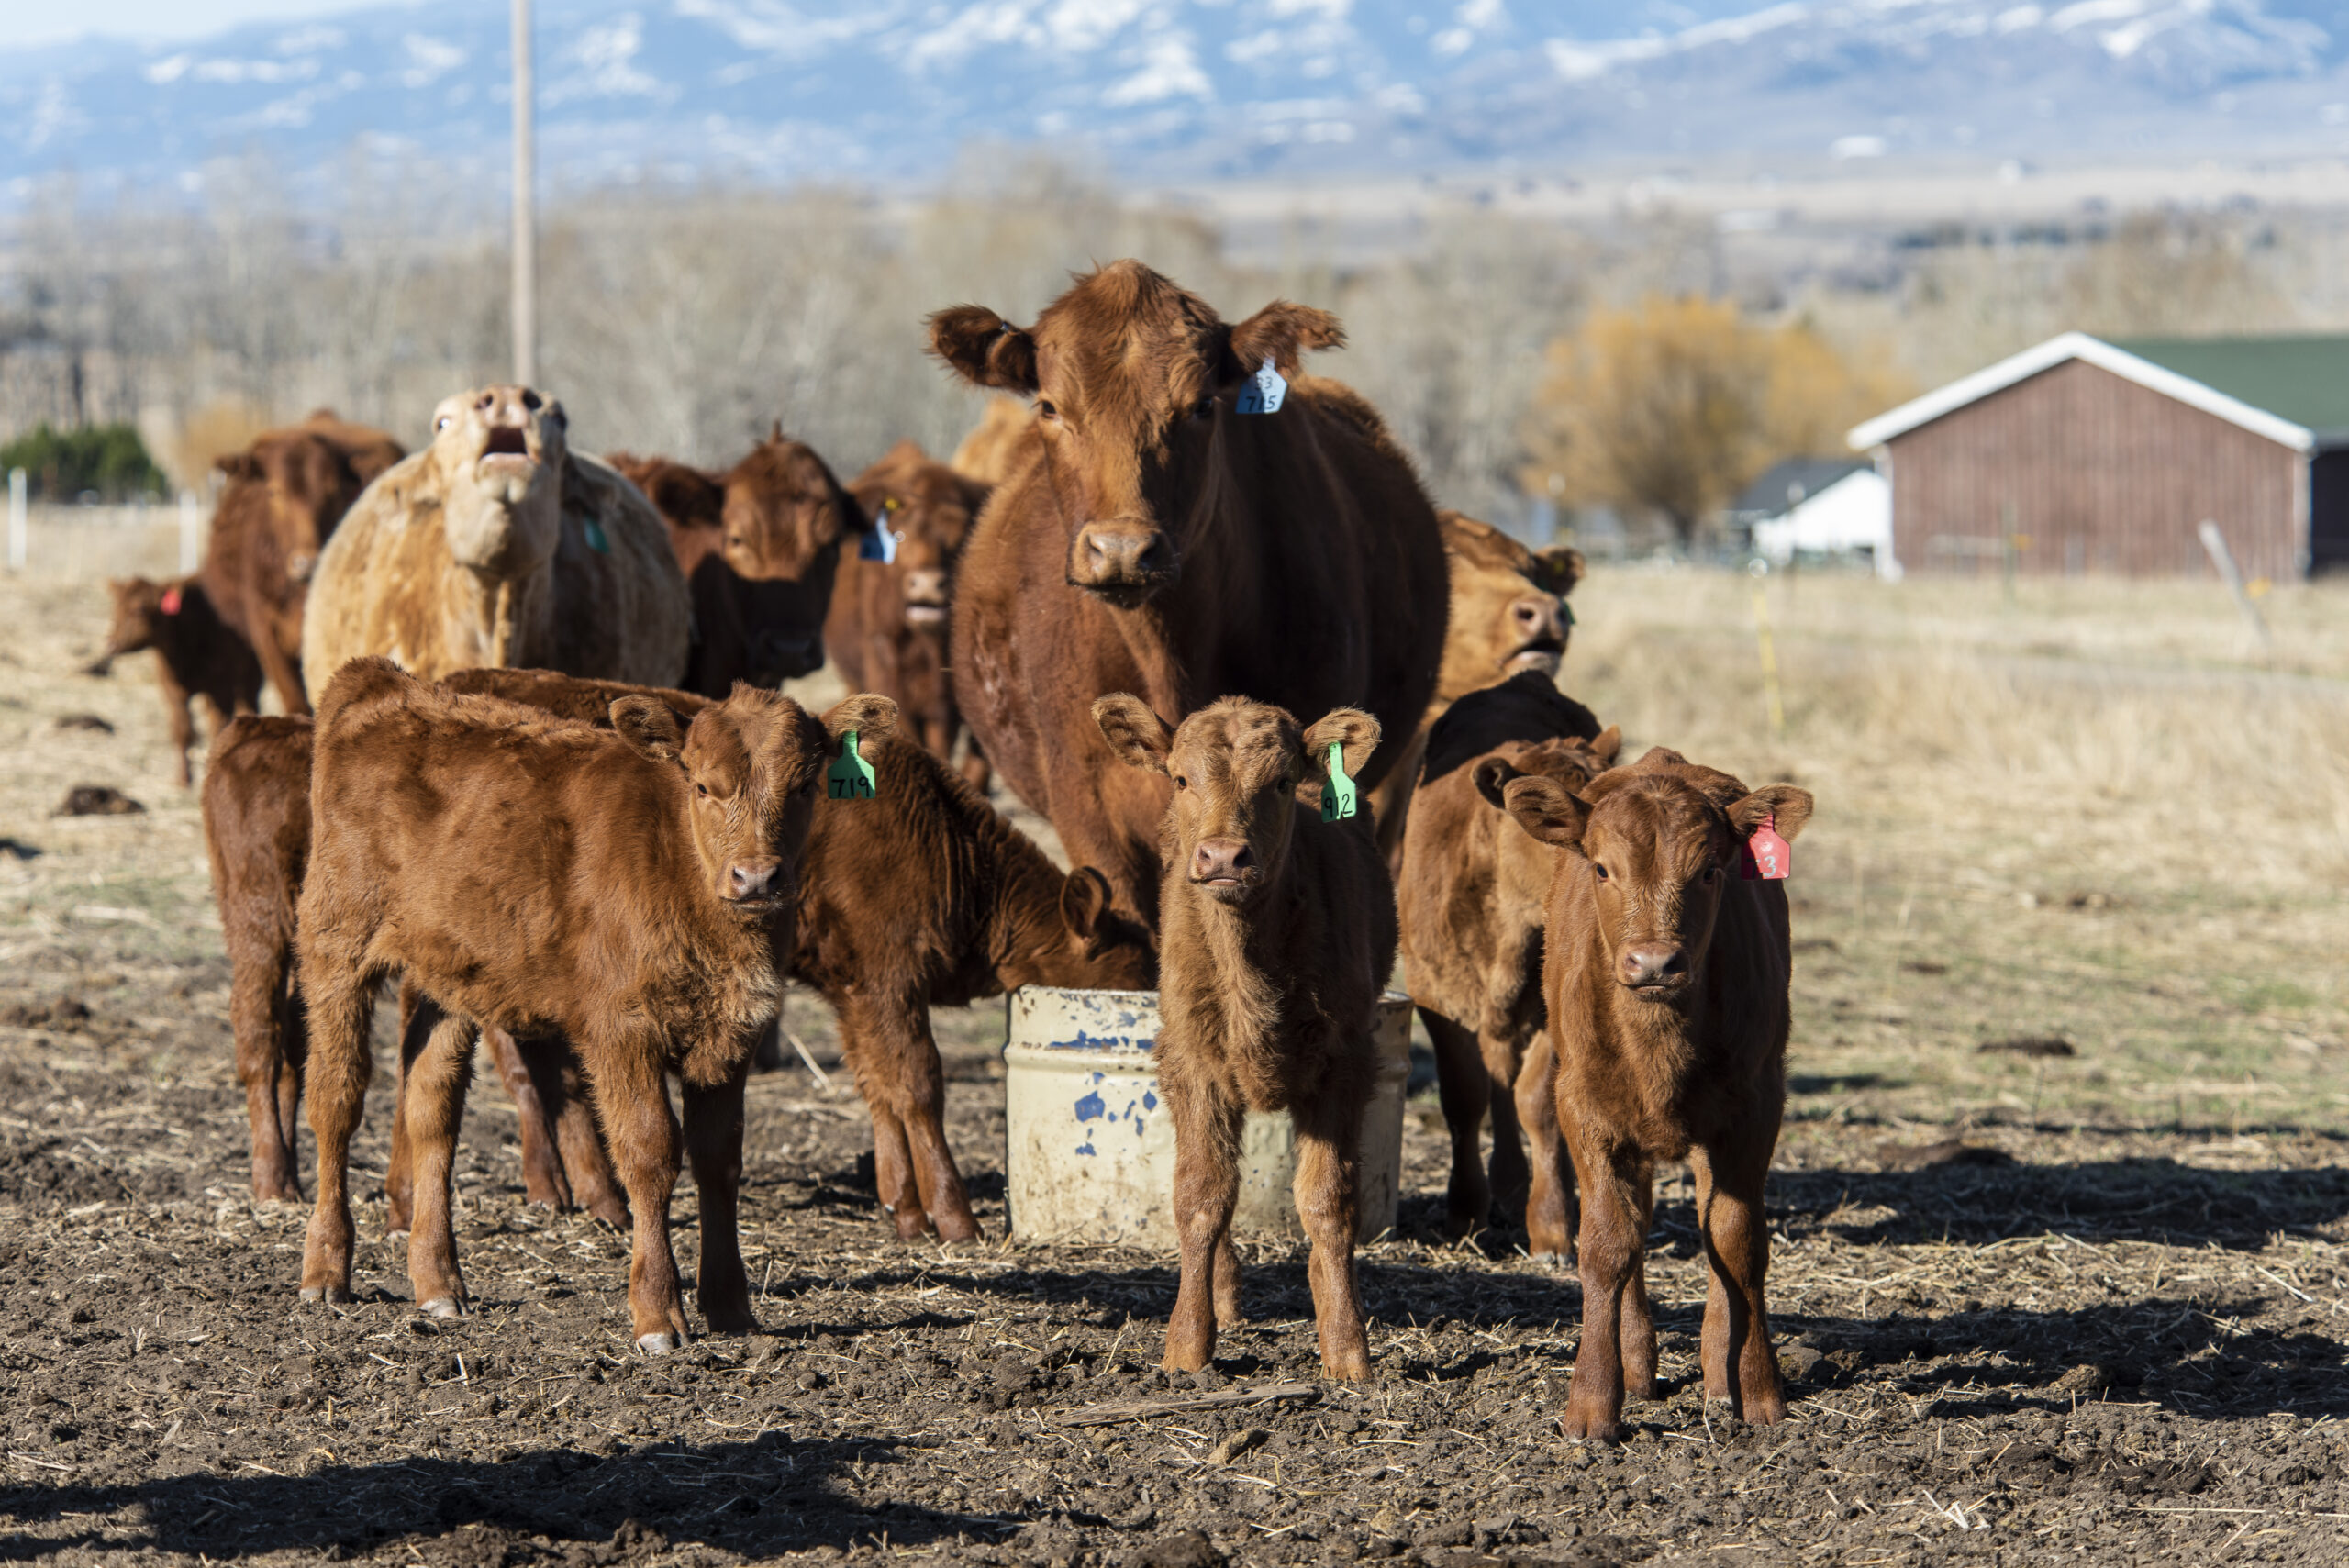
pixel 1261 393
pixel 1566 611
pixel 879 543
pixel 1340 798
pixel 596 541
pixel 851 778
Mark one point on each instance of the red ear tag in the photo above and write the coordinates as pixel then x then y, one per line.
pixel 171 601
pixel 1767 857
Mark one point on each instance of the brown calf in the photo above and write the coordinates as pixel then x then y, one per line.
pixel 1666 979
pixel 887 626
pixel 630 889
pixel 922 896
pixel 1471 902
pixel 196 654
pixel 991 449
pixel 1276 936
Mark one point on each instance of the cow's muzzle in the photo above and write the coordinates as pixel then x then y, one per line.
pixel 1123 557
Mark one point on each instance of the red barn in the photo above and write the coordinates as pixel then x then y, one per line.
pixel 2084 455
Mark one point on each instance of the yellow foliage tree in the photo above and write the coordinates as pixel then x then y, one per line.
pixel 1669 409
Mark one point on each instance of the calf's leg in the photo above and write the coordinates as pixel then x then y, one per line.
pixel 1464 1090
pixel 1328 1189
pixel 554 1068
pixel 1739 1363
pixel 1502 1057
pixel 889 1047
pixel 1207 1188
pixel 542 1174
pixel 341 999
pixel 260 980
pixel 1610 1253
pixel 1549 1194
pixel 400 1187
pixel 634 1099
pixel 434 1080
pixel 1637 1328
pixel 713 1119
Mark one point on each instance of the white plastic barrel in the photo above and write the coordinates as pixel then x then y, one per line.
pixel 1091 1155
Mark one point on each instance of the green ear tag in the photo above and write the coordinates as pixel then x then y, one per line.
pixel 595 540
pixel 851 778
pixel 1340 799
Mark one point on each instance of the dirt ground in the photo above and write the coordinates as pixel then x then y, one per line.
pixel 2085 1306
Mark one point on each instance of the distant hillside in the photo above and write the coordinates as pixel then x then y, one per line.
pixel 866 90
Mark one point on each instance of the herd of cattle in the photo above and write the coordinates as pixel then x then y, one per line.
pixel 550 784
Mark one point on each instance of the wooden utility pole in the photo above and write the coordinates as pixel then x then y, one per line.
pixel 526 228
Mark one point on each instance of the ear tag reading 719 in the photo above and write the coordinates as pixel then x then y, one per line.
pixel 1261 393
pixel 1767 857
pixel 851 778
pixel 1340 798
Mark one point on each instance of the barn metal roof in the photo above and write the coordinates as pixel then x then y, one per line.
pixel 1776 491
pixel 2294 391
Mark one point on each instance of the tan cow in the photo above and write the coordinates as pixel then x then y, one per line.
pixel 497 545
pixel 991 450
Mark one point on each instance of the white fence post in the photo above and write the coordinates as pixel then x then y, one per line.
pixel 2214 543
pixel 191 541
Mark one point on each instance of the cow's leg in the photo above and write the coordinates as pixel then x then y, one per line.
pixel 342 997
pixel 180 721
pixel 1464 1089
pixel 1637 1329
pixel 542 1174
pixel 767 1056
pixel 1207 1188
pixel 432 1106
pixel 258 982
pixel 977 770
pixel 1739 1363
pixel 631 1094
pixel 713 1119
pixel 1550 1195
pixel 294 1058
pixel 285 674
pixel 417 1017
pixel 1609 1255
pixel 554 1068
pixel 1329 1200
pixel 1502 1056
pixel 889 1047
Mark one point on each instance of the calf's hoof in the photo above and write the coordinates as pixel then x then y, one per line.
pixel 957 1228
pixel 1590 1426
pixel 445 1306
pixel 656 1344
pixel 1346 1367
pixel 1765 1408
pixel 730 1317
pixel 331 1293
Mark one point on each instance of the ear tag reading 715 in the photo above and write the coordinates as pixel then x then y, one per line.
pixel 1340 798
pixel 1767 857
pixel 851 778
pixel 1261 393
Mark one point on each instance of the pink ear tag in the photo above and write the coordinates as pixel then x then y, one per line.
pixel 1767 857
pixel 171 601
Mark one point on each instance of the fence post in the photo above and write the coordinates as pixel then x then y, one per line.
pixel 16 528
pixel 191 534
pixel 2215 544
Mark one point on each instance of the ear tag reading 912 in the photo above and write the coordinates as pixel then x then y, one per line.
pixel 1340 798
pixel 851 778
pixel 1261 393
pixel 1767 857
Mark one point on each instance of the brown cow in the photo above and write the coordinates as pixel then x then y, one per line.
pixel 1471 904
pixel 257 833
pixel 196 654
pixel 1276 936
pixel 285 494
pixel 991 449
pixel 887 626
pixel 498 545
pixel 1508 615
pixel 1666 979
pixel 760 547
pixel 1160 542
pixel 630 889
pixel 921 897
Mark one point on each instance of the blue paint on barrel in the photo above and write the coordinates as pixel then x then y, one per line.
pixel 1086 1148
pixel 1089 1109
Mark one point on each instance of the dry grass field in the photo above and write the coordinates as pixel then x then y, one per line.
pixel 2082 1306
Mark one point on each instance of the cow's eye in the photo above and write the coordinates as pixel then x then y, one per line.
pixel 1601 869
pixel 701 789
pixel 1045 409
pixel 1204 407
pixel 1711 875
pixel 1182 782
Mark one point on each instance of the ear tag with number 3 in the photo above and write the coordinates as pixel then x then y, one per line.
pixel 851 778
pixel 1340 798
pixel 1261 393
pixel 1767 857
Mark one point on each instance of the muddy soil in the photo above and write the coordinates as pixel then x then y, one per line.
pixel 2043 1339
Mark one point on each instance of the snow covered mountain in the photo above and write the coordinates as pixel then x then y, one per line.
pixel 867 90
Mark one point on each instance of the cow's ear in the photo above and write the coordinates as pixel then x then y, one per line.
pixel 1609 744
pixel 1558 568
pixel 1789 805
pixel 840 520
pixel 1546 809
pixel 983 347
pixel 1084 898
pixel 649 728
pixel 686 495
pixel 1138 736
pixel 870 715
pixel 1661 757
pixel 1280 333
pixel 1349 728
pixel 238 465
pixel 1492 776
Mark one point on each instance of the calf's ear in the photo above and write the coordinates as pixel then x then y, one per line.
pixel 1661 757
pixel 649 728
pixel 1280 333
pixel 871 716
pixel 1084 898
pixel 984 348
pixel 1558 568
pixel 1492 777
pixel 238 465
pixel 1788 805
pixel 1609 744
pixel 1138 736
pixel 1349 728
pixel 1546 810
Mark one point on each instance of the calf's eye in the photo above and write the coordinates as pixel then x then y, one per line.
pixel 701 789
pixel 1601 869
pixel 1182 782
pixel 1045 410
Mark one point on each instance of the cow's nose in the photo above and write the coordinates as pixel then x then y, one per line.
pixel 752 879
pixel 926 587
pixel 1537 619
pixel 1221 860
pixel 1652 963
pixel 1125 551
